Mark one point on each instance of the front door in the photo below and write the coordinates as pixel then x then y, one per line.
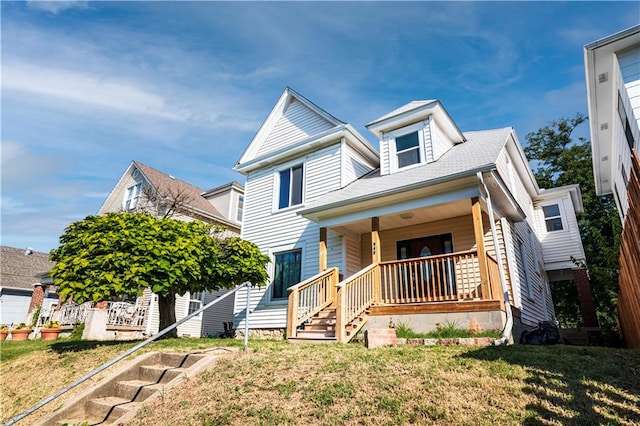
pixel 425 246
pixel 438 274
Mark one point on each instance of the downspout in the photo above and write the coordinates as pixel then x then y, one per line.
pixel 506 333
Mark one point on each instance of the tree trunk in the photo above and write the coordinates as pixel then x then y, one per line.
pixel 167 309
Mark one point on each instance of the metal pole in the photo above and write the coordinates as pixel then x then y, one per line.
pixel 246 318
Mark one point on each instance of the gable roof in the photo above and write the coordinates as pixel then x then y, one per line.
pixel 479 153
pixel 19 270
pixel 296 125
pixel 165 183
pixel 414 112
pixel 218 189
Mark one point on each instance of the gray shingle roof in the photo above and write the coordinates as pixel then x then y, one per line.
pixel 480 150
pixel 165 183
pixel 19 270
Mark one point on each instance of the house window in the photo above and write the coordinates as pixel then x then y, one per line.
pixel 408 149
pixel 290 193
pixel 624 119
pixel 240 209
pixel 552 217
pixel 287 268
pixel 132 196
pixel 195 302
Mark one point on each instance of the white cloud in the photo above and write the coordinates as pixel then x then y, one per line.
pixel 22 168
pixel 57 6
pixel 12 206
pixel 72 86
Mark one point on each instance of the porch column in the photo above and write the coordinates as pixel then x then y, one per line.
pixel 375 240
pixel 322 256
pixel 476 210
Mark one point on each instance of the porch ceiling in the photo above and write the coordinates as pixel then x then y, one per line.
pixel 404 218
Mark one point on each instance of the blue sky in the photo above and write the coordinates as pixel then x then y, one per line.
pixel 183 86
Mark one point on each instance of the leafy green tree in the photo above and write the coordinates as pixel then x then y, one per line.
pixel 117 255
pixel 561 159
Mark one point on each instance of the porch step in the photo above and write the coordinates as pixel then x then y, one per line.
pixel 117 398
pixel 312 340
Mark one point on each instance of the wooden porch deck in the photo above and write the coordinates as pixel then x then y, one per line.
pixel 454 282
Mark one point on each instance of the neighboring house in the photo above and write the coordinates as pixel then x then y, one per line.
pixel 24 284
pixel 145 189
pixel 414 234
pixel 612 67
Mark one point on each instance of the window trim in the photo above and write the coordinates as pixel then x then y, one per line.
pixel 560 216
pixel 393 152
pixel 276 187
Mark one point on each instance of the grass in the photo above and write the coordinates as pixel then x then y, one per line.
pixel 281 383
pixel 446 331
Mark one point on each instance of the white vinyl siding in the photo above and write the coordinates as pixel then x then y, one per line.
pixel 270 230
pixel 219 313
pixel 335 248
pixel 439 141
pixel 354 166
pixel 559 246
pixel 529 283
pixel 190 328
pixel 297 123
pixel 385 164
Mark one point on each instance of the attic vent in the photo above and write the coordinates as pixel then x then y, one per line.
pixel 604 126
pixel 172 177
pixel 603 78
pixel 136 173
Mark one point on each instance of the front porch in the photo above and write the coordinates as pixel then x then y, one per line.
pixel 322 308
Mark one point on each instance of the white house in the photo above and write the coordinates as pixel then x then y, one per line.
pixel 143 188
pixel 612 67
pixel 438 225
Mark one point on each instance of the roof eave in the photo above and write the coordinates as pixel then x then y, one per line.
pixel 312 212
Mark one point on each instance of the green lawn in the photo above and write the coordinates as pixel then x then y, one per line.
pixel 281 383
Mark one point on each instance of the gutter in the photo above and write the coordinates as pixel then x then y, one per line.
pixel 506 333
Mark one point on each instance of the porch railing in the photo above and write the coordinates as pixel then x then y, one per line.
pixel 354 296
pixel 439 278
pixel 126 314
pixel 442 278
pixel 309 298
pixel 72 314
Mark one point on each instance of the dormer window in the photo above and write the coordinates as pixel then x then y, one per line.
pixel 408 149
pixel 406 146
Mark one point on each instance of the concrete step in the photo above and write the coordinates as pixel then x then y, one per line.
pixel 116 399
pixel 102 407
pixel 316 334
pixel 312 340
pixel 131 389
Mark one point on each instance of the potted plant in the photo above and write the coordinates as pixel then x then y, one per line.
pixel 21 332
pixel 4 331
pixel 50 330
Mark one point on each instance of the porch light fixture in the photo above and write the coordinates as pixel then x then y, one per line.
pixel 406 216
